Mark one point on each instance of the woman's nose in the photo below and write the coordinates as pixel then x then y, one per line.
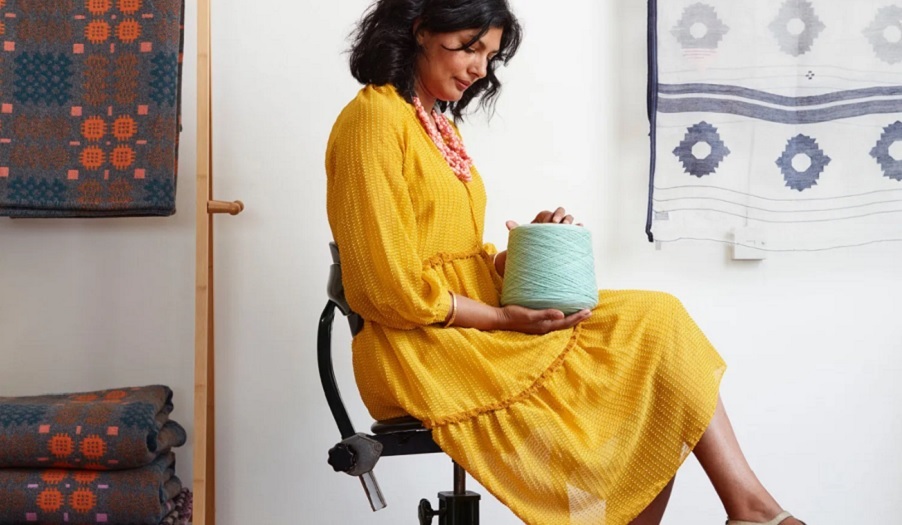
pixel 479 67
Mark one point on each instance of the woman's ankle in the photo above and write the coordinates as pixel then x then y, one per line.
pixel 755 509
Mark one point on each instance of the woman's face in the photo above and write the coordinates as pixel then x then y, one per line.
pixel 444 71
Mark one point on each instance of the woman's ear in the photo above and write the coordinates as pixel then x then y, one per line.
pixel 417 34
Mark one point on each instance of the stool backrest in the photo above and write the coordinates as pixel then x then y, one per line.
pixel 335 292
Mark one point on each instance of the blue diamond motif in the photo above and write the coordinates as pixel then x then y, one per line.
pixel 889 16
pixel 801 43
pixel 159 193
pixel 33 191
pixel 164 78
pixel 802 145
pixel 705 15
pixel 43 78
pixel 892 167
pixel 12 415
pixel 138 415
pixel 697 134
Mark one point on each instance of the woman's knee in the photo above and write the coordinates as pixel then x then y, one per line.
pixel 654 302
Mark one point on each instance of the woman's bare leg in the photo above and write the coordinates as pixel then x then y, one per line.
pixel 655 510
pixel 742 494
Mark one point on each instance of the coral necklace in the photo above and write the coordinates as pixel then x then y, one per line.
pixel 446 140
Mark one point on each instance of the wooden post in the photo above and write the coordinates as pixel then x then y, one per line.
pixel 204 415
pixel 204 384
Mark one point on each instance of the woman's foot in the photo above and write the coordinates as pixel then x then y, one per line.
pixel 783 518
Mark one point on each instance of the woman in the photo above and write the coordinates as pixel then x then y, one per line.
pixel 580 419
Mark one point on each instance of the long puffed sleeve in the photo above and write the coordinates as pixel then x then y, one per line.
pixel 373 220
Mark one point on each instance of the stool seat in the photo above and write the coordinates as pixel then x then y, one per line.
pixel 398 424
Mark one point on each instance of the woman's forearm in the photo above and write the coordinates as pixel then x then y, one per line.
pixel 474 314
pixel 468 313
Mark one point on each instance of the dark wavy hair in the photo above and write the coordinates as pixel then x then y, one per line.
pixel 385 49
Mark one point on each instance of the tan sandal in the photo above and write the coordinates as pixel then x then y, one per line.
pixel 776 521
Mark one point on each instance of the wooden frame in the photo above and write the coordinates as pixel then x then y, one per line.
pixel 204 385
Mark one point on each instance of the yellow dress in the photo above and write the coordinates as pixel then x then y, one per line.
pixel 583 426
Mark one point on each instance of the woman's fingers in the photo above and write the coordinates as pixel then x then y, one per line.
pixel 552 315
pixel 556 320
pixel 542 217
pixel 570 321
pixel 555 216
pixel 558 216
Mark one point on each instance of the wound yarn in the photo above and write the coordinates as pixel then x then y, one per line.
pixel 550 266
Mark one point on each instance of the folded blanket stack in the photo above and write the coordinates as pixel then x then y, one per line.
pixel 95 457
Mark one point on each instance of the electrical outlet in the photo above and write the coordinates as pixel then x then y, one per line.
pixel 749 244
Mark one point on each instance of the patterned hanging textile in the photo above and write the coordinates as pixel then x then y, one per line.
pixel 89 107
pixel 784 116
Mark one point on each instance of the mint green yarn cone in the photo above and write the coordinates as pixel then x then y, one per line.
pixel 550 266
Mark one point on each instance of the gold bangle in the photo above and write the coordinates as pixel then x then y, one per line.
pixel 453 314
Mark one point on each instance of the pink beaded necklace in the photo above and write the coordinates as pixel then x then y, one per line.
pixel 446 140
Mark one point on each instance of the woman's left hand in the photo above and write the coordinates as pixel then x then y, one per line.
pixel 558 216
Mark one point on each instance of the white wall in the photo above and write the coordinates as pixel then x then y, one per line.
pixel 813 340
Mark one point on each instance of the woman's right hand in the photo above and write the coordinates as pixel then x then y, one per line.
pixel 529 321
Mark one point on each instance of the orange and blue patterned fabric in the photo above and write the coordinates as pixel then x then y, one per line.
pixel 89 107
pixel 54 496
pixel 104 430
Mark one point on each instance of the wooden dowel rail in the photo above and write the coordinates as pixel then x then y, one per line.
pixel 232 208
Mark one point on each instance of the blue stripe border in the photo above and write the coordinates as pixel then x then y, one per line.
pixel 764 96
pixel 782 116
pixel 652 100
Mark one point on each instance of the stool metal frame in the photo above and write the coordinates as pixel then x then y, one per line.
pixel 358 452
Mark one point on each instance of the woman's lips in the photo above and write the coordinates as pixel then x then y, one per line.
pixel 461 85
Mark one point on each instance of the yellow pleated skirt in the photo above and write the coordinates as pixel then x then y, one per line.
pixel 591 437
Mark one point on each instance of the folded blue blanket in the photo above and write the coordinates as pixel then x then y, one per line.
pixel 50 496
pixel 104 430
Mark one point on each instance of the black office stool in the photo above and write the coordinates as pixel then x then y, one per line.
pixel 358 453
